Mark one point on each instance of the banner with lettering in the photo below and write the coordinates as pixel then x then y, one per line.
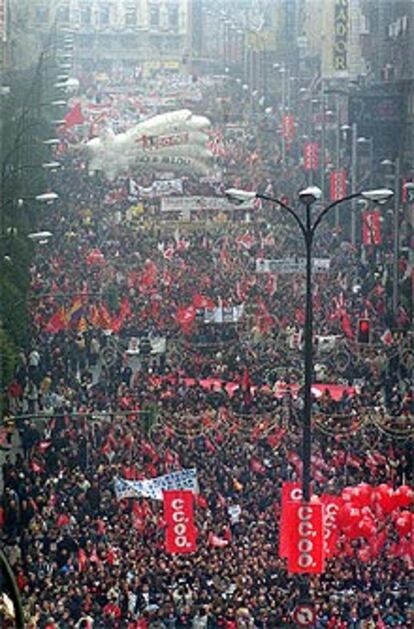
pixel 304 522
pixel 311 156
pixel 200 203
pixel 338 185
pixel 291 265
pixel 290 493
pixel 341 30
pixel 185 479
pixel 230 314
pixel 288 127
pixel 158 188
pixel 371 228
pixel 331 506
pixel 180 531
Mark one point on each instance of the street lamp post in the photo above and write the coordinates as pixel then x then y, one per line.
pixel 308 227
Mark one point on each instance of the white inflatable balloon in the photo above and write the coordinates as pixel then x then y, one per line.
pixel 175 141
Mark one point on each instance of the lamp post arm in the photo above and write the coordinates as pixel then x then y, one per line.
pixel 286 207
pixel 320 216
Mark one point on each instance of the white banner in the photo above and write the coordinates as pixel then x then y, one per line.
pixel 232 314
pixel 159 188
pixel 158 345
pixel 194 204
pixel 291 265
pixel 153 487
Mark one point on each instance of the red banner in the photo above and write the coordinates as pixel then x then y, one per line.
pixel 306 544
pixel 371 228
pixel 331 506
pixel 338 185
pixel 407 195
pixel 180 531
pixel 288 127
pixel 311 156
pixel 290 493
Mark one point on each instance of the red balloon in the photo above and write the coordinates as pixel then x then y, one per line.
pixel 361 495
pixel 347 494
pixel 404 523
pixel 384 496
pixel 367 527
pixel 348 516
pixel 404 496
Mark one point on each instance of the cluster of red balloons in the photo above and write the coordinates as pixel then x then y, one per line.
pixel 364 506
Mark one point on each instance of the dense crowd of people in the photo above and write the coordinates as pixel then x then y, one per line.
pixel 223 397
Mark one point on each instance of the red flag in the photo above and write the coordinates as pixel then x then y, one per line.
pixel 306 549
pixel 346 325
pixel 290 492
pixel 57 322
pixel 35 467
pixel 124 312
pixel 74 116
pixel 331 506
pixel 256 466
pixel 217 542
pixel 105 319
pixel 200 301
pixel 63 519
pixel 387 338
pixel 95 258
pixel 185 317
pixel 180 532
pixel 138 516
pixel 82 559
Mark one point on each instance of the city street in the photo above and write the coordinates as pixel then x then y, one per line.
pixel 206 330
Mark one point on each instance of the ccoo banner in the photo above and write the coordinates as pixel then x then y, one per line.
pixel 331 505
pixel 304 522
pixel 180 531
pixel 290 492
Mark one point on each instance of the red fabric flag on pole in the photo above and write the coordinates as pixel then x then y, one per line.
pixel 57 322
pixel 185 317
pixel 306 545
pixel 180 531
pixel 74 116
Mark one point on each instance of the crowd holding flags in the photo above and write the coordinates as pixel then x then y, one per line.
pixel 81 315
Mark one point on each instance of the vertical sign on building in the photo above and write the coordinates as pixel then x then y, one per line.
pixel 340 40
pixel 3 23
pixel 338 185
pixel 311 156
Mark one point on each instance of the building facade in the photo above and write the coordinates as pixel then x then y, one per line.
pixel 108 34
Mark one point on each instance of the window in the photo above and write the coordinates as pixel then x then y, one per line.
pixel 41 14
pixel 173 18
pixel 63 14
pixel 86 15
pixel 130 15
pixel 104 15
pixel 154 17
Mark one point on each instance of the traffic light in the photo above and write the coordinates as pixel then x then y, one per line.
pixel 364 331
